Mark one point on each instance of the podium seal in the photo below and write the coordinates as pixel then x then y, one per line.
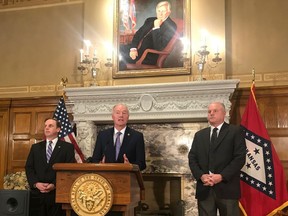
pixel 91 194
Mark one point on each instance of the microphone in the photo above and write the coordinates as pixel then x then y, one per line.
pixel 88 160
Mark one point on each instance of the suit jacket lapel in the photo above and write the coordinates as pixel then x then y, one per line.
pixel 111 145
pixel 222 133
pixel 43 151
pixel 110 137
pixel 126 140
pixel 56 151
pixel 207 139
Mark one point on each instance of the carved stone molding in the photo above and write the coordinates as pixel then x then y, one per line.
pixel 167 102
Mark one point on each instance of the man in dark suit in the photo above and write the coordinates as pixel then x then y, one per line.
pixel 155 33
pixel 215 159
pixel 40 173
pixel 132 148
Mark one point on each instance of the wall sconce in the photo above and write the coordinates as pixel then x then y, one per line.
pixel 90 65
pixel 203 54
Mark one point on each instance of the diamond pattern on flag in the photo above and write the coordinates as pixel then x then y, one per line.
pixel 263 182
pixel 258 171
pixel 66 133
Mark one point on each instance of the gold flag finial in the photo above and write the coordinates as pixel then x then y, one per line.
pixel 64 81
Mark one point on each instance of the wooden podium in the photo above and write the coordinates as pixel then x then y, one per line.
pixel 126 181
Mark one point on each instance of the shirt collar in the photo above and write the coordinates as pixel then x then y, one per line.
pixel 54 141
pixel 122 131
pixel 219 127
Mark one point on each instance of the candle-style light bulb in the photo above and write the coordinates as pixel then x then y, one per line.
pixel 95 53
pixel 81 55
pixel 87 45
pixel 204 34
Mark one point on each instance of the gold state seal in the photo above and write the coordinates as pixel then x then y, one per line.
pixel 91 194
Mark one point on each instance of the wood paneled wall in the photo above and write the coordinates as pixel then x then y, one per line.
pixel 4 131
pixel 22 124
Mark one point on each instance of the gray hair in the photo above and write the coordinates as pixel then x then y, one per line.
pixel 120 104
pixel 221 104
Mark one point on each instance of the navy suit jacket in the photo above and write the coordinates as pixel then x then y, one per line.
pixel 37 168
pixel 132 145
pixel 225 157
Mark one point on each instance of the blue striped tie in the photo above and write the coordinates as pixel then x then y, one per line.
pixel 118 144
pixel 49 151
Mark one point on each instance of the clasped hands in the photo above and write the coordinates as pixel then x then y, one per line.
pixel 126 160
pixel 44 187
pixel 211 179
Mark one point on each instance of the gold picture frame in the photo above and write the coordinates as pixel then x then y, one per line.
pixel 177 62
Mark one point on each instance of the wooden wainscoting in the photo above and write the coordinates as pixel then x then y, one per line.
pixel 273 106
pixel 22 124
pixel 4 127
pixel 27 118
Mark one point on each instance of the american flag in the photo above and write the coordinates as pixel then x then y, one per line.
pixel 132 14
pixel 263 183
pixel 66 133
pixel 128 10
pixel 124 8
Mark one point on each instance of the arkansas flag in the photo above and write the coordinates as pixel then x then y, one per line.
pixel 263 183
pixel 66 133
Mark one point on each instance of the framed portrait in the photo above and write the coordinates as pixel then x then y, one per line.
pixel 149 38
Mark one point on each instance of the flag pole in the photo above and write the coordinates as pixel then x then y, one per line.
pixel 253 75
pixel 67 134
pixel 252 87
pixel 251 92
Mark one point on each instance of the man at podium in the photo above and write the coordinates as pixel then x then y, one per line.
pixel 120 144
